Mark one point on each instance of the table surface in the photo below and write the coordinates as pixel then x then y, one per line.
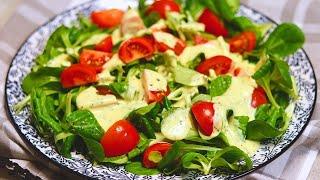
pixel 19 18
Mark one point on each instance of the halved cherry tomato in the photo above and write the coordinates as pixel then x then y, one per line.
pixel 103 90
pixel 162 47
pixel 243 42
pixel 157 96
pixel 120 139
pixel 105 45
pixel 220 64
pixel 258 97
pixel 199 39
pixel 162 148
pixel 163 6
pixel 78 75
pixel 94 58
pixel 212 23
pixel 204 114
pixel 107 18
pixel 178 48
pixel 136 48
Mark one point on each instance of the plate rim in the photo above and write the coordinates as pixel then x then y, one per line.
pixel 43 157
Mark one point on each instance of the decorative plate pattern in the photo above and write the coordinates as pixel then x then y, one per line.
pixel 300 66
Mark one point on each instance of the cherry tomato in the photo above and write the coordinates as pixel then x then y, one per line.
pixel 163 6
pixel 220 64
pixel 136 48
pixel 258 97
pixel 162 47
pixel 105 45
pixel 157 96
pixel 178 48
pixel 212 23
pixel 204 114
pixel 78 75
pixel 199 39
pixel 162 148
pixel 244 42
pixel 94 58
pixel 107 18
pixel 120 139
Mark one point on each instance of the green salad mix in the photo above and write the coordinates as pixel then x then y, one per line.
pixel 167 87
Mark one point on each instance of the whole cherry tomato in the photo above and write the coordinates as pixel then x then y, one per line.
pixel 162 148
pixel 204 113
pixel 258 97
pixel 120 139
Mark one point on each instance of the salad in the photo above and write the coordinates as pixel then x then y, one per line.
pixel 166 87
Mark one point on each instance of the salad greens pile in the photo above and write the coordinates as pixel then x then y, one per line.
pixel 58 118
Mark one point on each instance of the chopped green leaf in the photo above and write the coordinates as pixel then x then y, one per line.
pixel 43 110
pixel 148 19
pixel 219 85
pixel 167 104
pixel 142 145
pixel 193 160
pixel 263 70
pixel 195 7
pixel 283 69
pixel 83 123
pixel 196 61
pixel 225 10
pixel 271 114
pixel 143 124
pixel 116 160
pixel 259 130
pixel 118 87
pixel 44 77
pixel 242 123
pixel 95 149
pixel 65 145
pixel 137 168
pixel 286 39
pixel 282 98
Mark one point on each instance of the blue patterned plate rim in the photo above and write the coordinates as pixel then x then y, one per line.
pixel 43 157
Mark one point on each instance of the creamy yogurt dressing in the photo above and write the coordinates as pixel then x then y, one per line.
pixel 214 48
pixel 95 39
pixel 236 138
pixel 177 125
pixel 114 63
pixel 238 97
pixel 108 115
pixel 89 98
pixel 62 60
